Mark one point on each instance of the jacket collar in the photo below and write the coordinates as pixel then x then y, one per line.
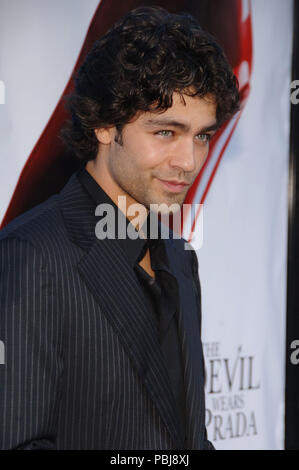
pixel 107 272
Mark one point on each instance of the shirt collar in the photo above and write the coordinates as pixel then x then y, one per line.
pixel 134 248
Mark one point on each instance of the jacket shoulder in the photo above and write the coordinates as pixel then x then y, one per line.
pixel 185 249
pixel 45 221
pixel 34 223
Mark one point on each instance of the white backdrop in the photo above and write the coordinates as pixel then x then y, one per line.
pixel 243 258
pixel 242 261
pixel 39 44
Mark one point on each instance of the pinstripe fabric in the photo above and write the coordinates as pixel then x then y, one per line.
pixel 83 368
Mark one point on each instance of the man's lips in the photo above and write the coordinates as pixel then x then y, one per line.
pixel 173 186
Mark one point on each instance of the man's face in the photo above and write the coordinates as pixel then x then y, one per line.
pixel 159 151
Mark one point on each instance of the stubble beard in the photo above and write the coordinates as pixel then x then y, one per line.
pixel 150 197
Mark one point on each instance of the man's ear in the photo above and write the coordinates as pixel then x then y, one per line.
pixel 104 135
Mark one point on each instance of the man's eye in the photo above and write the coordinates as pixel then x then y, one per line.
pixel 205 138
pixel 165 133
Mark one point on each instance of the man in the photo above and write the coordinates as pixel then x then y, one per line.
pixel 102 333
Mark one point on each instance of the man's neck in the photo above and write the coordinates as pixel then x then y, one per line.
pixel 103 178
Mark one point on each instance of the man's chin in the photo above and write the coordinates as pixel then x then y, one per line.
pixel 166 208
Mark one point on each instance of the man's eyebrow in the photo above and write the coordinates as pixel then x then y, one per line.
pixel 211 127
pixel 180 125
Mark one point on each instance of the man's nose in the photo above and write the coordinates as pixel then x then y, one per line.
pixel 184 155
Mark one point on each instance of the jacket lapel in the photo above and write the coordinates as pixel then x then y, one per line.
pixel 189 324
pixel 109 277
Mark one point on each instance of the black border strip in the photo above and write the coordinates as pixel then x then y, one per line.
pixel 292 330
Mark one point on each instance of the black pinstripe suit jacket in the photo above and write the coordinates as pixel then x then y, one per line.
pixel 83 367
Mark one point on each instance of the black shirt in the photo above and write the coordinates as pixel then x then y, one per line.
pixel 161 293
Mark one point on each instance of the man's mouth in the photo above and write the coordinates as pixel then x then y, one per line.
pixel 174 186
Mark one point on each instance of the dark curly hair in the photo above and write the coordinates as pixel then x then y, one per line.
pixel 137 66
